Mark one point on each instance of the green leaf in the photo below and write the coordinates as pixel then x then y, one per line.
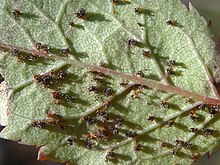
pixel 140 70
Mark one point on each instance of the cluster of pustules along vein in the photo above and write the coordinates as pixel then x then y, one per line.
pixel 112 125
pixel 47 80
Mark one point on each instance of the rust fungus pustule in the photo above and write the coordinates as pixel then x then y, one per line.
pixel 42 48
pixel 17 13
pixel 138 10
pixel 49 78
pixel 146 53
pixel 81 13
pixel 132 43
pixel 70 140
pixel 138 147
pixel 151 118
pixel 165 104
pixel 131 134
pixel 60 97
pixel 72 24
pixel 170 22
pixel 195 156
pixel 171 63
pixel 110 155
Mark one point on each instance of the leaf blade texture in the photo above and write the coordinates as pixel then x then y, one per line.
pixel 129 88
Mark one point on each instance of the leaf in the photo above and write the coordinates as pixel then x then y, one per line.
pixel 3 103
pixel 134 88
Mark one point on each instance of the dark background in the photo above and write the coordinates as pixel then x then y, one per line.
pixel 12 153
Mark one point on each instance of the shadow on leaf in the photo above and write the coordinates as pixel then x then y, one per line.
pixel 95 17
pixel 29 16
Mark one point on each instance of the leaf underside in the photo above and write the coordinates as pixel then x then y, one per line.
pixel 104 119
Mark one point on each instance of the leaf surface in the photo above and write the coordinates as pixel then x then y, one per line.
pixel 143 105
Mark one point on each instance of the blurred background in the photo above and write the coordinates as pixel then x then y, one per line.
pixel 12 153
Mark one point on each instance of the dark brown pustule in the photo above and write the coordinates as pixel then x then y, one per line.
pixel 91 136
pixel 188 100
pixel 107 105
pixel 118 122
pixel 17 13
pixel 181 143
pixel 117 2
pixel 21 58
pixel 38 46
pixel 214 109
pixel 146 53
pixel 186 145
pixel 15 52
pixel 193 130
pixel 58 96
pixel 193 116
pixel 174 151
pixel 114 1
pixel 18 55
pixel 132 43
pixel 93 88
pixel 62 127
pixel 55 116
pixel 46 122
pixel 65 51
pixel 81 13
pixel 72 24
pixel 165 104
pixel 170 71
pixel 131 134
pixel 70 140
pixel 169 123
pixel 208 132
pixel 151 118
pixel 140 24
pixel 140 73
pixel 42 48
pixel 195 156
pixel 114 127
pixel 171 63
pixel 97 73
pixel 88 143
pixel 102 64
pixel 137 10
pixel 102 133
pixel 124 84
pixel 170 22
pixel 32 57
pixel 45 79
pixel 108 91
pixel 164 144
pixel 38 124
pixel 137 147
pixel 137 91
pixel 110 155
